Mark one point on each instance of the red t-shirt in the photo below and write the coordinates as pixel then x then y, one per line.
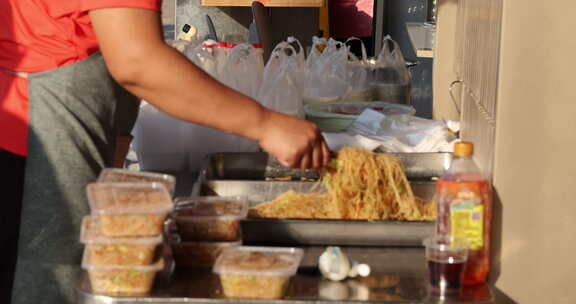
pixel 40 35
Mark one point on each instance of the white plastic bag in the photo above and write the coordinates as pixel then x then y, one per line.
pixel 203 56
pixel 327 72
pixel 359 86
pixel 403 133
pixel 283 80
pixel 390 77
pixel 243 70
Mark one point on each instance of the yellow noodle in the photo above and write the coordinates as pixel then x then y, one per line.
pixel 360 185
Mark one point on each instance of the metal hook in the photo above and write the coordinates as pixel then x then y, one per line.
pixel 456 104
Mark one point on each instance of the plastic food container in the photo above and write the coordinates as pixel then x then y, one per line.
pixel 210 218
pixel 338 116
pixel 199 254
pixel 257 272
pixel 124 251
pixel 126 280
pixel 130 209
pixel 113 175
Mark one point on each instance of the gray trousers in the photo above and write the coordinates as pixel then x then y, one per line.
pixel 76 112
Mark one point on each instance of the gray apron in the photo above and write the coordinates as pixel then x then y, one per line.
pixel 76 112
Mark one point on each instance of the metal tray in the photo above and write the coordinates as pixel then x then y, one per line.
pixel 317 232
pixel 260 166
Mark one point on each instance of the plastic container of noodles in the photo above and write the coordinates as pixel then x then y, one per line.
pixel 124 251
pixel 199 254
pixel 114 175
pixel 214 219
pixel 124 280
pixel 257 272
pixel 130 209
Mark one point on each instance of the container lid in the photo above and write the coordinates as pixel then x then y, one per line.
pixel 115 175
pixel 129 198
pixel 343 109
pixel 212 207
pixel 86 264
pixel 90 234
pixel 196 244
pixel 259 261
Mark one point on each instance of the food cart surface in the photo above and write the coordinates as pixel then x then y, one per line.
pixel 398 276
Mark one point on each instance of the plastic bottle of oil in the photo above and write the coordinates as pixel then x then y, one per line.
pixel 464 203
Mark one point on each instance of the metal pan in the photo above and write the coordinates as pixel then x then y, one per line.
pixel 260 166
pixel 317 232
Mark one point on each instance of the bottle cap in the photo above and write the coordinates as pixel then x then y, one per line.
pixel 363 270
pixel 463 148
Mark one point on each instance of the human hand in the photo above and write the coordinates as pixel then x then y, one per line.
pixel 296 143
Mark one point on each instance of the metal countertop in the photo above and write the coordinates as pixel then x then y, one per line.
pixel 398 276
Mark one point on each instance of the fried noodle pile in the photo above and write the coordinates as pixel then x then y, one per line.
pixel 360 185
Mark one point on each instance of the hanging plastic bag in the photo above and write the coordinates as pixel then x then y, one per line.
pixel 390 77
pixel 203 56
pixel 327 75
pixel 244 67
pixel 282 81
pixel 359 86
pixel 319 44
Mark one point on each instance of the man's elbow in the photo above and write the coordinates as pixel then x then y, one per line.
pixel 127 71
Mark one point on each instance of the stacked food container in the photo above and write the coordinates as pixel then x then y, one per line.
pixel 205 227
pixel 123 234
pixel 257 272
pixel 209 236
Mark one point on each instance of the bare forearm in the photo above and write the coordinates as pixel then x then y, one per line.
pixel 140 61
pixel 178 88
pixel 137 57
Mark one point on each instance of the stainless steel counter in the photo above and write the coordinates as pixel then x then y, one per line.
pixel 398 276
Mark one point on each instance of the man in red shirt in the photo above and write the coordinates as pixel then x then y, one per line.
pixel 60 107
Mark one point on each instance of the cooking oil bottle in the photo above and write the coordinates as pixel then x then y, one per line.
pixel 464 203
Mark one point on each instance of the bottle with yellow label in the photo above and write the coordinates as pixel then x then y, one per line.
pixel 464 203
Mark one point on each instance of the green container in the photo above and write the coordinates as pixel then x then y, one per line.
pixel 338 116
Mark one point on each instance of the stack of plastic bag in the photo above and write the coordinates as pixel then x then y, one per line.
pixel 394 133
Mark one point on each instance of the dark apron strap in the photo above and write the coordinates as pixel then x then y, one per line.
pixel 12 179
pixel 74 118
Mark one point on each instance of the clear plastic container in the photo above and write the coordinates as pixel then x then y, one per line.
pixel 215 219
pixel 257 272
pixel 199 254
pixel 124 251
pixel 125 280
pixel 130 209
pixel 114 175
